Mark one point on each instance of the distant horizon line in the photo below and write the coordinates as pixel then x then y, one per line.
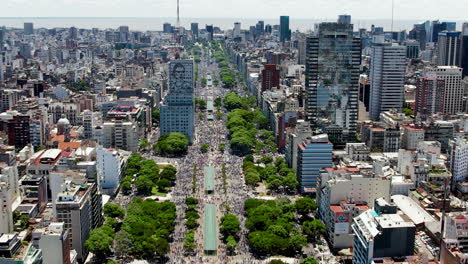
pixel 226 18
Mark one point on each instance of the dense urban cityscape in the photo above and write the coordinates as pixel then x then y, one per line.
pixel 253 144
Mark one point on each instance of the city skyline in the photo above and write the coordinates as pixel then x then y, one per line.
pixel 317 9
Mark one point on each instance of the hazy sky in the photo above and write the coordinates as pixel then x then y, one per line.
pixel 313 9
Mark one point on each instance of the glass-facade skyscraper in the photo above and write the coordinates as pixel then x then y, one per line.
pixel 332 81
pixel 177 111
pixel 285 32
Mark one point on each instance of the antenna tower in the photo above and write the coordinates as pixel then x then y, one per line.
pixel 393 9
pixel 178 18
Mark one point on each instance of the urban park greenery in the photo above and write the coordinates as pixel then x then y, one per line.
pixel 272 227
pixel 174 143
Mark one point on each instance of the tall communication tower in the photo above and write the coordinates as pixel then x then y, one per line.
pixel 178 18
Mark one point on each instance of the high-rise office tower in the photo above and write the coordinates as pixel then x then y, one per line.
pixel 167 28
pixel 237 30
pixel 332 80
pixel 28 28
pixel 260 28
pixel 449 26
pixel 124 33
pixel 345 19
pixel 301 51
pixel 2 37
pixel 412 49
pixel 430 92
pixel 387 76
pixel 313 155
pixel 210 30
pixel 252 33
pixel 73 33
pixel 419 34
pixel 268 29
pixel 194 29
pixel 448 49
pixel 285 32
pixel 437 27
pixel 2 76
pixel 453 90
pixel 464 49
pixel 177 110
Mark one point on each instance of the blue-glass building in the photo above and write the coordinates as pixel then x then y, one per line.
pixel 313 155
pixel 285 32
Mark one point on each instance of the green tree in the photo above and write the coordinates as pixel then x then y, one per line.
pixel 218 102
pixel 230 225
pixel 280 163
pixel 249 157
pixel 122 244
pixel 274 184
pixel 313 229
pixel 296 243
pixel 201 104
pixel 156 117
pixel 21 219
pixel 309 260
pixel 222 147
pixel 172 144
pixel 189 241
pixel 266 160
pixel 252 178
pixel 162 246
pixel 100 241
pixel 144 185
pixel 126 186
pixel 169 172
pixel 163 184
pixel 114 210
pixel 290 182
pixel 276 261
pixel 305 206
pixel 203 82
pixel 144 143
pixel 204 148
pixel 191 201
pixel 231 243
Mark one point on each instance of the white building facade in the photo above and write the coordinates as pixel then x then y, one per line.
pixel 387 77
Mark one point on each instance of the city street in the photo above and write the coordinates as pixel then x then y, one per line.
pixel 212 133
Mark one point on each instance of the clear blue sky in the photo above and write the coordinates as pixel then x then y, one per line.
pixel 313 9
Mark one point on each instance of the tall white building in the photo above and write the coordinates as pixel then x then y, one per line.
pixel 54 243
pixel 177 110
pixel 108 166
pixel 237 30
pixel 122 135
pixel 2 76
pixel 9 197
pixel 454 90
pixel 458 159
pixel 387 77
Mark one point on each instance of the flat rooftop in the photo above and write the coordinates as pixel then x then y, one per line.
pixel 210 235
pixel 209 178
